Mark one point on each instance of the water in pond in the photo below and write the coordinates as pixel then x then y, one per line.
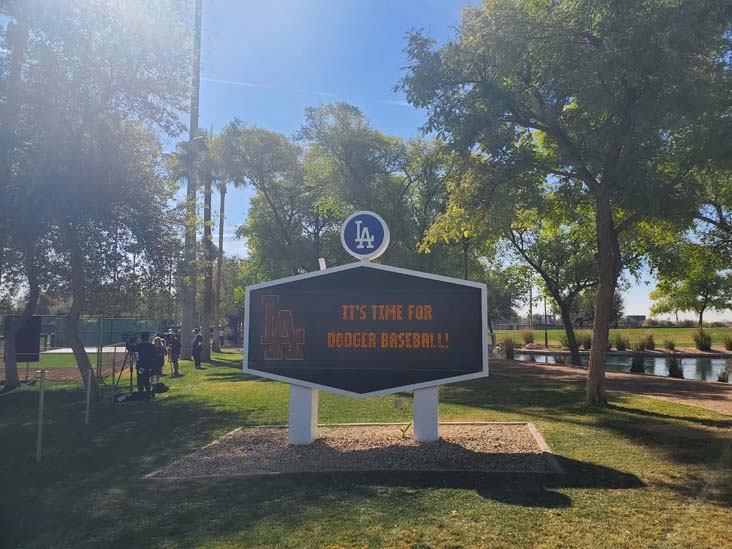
pixel 705 369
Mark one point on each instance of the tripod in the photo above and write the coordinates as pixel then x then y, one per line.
pixel 128 361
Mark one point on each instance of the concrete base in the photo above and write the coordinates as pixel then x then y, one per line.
pixel 303 424
pixel 426 415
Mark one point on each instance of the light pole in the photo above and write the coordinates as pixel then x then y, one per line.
pixel 546 335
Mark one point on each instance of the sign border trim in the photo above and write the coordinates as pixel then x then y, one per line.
pixel 368 265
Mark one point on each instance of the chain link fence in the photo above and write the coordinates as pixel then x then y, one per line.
pixel 102 339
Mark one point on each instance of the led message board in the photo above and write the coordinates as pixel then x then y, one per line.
pixel 365 329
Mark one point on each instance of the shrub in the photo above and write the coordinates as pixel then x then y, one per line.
pixel 508 345
pixel 621 342
pixel 639 346
pixel 674 366
pixel 563 341
pixel 528 336
pixel 649 342
pixel 726 371
pixel 728 343
pixel 560 359
pixel 636 363
pixel 586 340
pixel 703 340
pixel 669 344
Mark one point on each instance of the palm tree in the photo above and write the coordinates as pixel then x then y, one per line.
pixel 219 261
pixel 210 170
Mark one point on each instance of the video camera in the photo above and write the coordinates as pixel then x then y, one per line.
pixel 129 339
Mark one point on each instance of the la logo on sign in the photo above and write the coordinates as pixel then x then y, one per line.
pixel 280 333
pixel 365 235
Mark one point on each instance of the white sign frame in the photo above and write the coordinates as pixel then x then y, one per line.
pixel 378 252
pixel 369 265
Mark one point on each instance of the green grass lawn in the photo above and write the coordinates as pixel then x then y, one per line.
pixel 62 360
pixel 683 337
pixel 643 473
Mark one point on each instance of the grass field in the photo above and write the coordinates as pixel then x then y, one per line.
pixel 643 473
pixel 62 360
pixel 683 337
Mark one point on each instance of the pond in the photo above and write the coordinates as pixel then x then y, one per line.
pixel 704 369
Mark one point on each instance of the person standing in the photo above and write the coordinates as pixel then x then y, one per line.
pixel 174 351
pixel 159 359
pixel 146 359
pixel 221 337
pixel 196 349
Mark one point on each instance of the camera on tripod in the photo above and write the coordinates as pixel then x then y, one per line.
pixel 129 339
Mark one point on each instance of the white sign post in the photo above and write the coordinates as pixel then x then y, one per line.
pixel 303 421
pixel 426 414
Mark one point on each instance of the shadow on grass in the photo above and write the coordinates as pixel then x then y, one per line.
pixel 195 512
pixel 682 439
pixel 717 423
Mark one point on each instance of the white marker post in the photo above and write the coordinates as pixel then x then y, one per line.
pixel 39 433
pixel 88 395
pixel 426 414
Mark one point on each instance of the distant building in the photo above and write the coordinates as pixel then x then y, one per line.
pixel 635 318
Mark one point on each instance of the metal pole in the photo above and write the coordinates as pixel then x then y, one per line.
pixel 39 438
pixel 100 335
pixel 546 334
pixel 465 257
pixel 531 307
pixel 114 368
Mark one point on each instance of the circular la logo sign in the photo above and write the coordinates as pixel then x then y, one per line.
pixel 365 235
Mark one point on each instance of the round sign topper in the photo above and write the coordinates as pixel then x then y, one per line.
pixel 365 235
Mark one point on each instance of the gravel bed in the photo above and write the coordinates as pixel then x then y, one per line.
pixel 504 447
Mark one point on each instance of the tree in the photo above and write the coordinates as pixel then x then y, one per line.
pixel 693 278
pixel 94 81
pixel 598 96
pixel 560 250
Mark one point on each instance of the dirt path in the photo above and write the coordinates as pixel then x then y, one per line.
pixel 705 394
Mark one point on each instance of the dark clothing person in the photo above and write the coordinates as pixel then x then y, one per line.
pixel 174 354
pixel 143 382
pixel 147 356
pixel 196 350
pixel 159 361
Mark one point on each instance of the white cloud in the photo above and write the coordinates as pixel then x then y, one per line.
pixel 243 84
pixel 233 83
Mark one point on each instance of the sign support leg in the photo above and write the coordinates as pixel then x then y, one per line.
pixel 303 425
pixel 426 417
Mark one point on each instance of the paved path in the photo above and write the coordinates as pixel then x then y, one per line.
pixel 705 394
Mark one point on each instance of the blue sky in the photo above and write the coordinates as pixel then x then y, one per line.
pixel 265 61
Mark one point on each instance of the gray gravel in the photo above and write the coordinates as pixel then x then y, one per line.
pixel 366 447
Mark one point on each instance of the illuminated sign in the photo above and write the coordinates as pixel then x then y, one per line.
pixel 365 329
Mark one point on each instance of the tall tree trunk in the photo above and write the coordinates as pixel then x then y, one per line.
pixel 71 322
pixel 188 284
pixel 608 266
pixel 208 271
pixel 11 364
pixel 701 319
pixel 575 359
pixel 219 267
